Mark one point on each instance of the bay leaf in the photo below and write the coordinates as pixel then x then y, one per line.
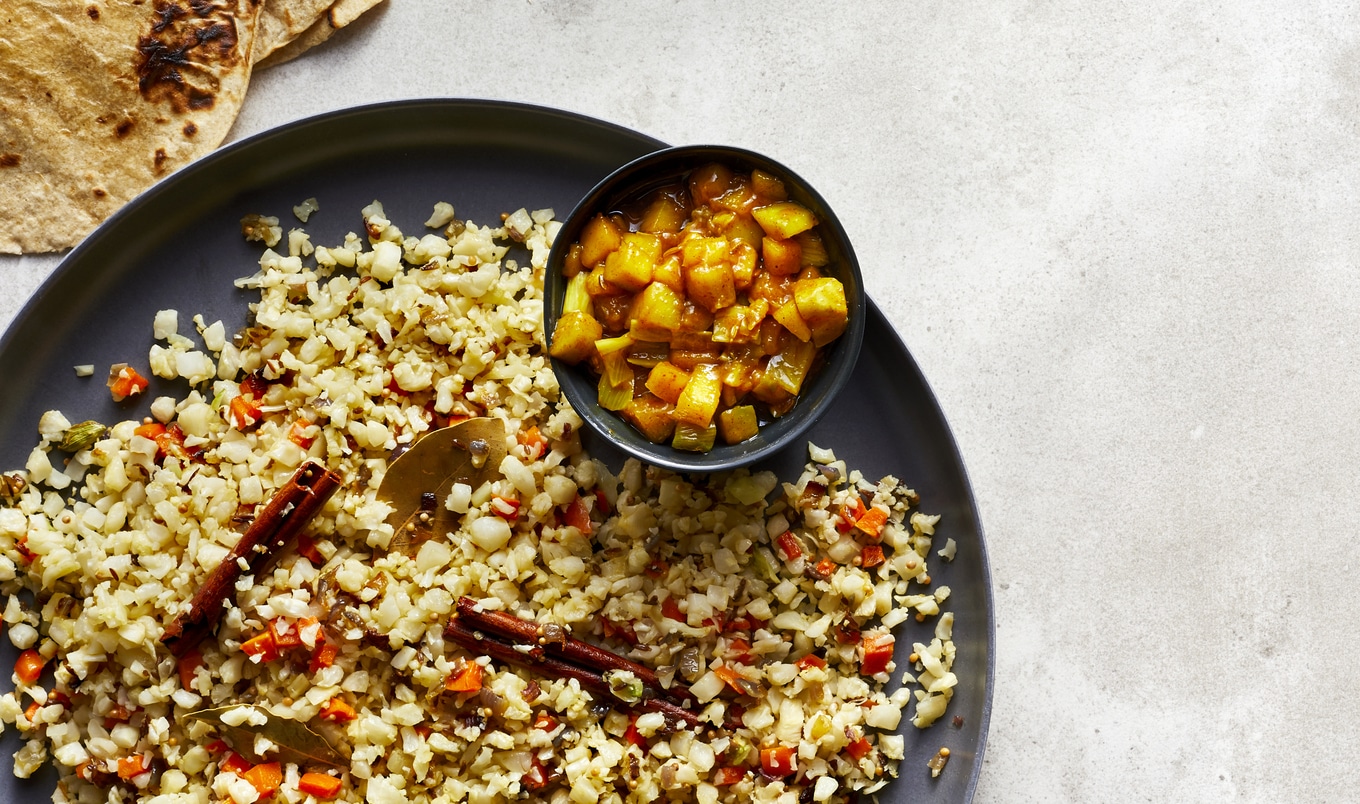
pixel 468 452
pixel 296 741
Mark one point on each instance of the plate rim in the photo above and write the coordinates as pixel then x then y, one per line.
pixel 108 228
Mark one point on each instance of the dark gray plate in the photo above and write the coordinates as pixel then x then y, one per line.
pixel 179 246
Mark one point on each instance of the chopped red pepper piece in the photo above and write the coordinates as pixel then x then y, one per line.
pixel 632 735
pixel 859 747
pixel 545 721
pixel 188 668
pixel 577 516
pixel 777 762
pixel 506 508
pixel 788 545
pixel 728 774
pixel 297 433
pixel 323 656
pixel 670 608
pixel 823 569
pixel 811 660
pixel 337 711
pixel 878 652
pixel 261 646
pixel 306 547
pixel 657 568
pixel 739 650
pixel 870 556
pixel 872 522
pixel 233 763
pixel 284 633
pixel 243 412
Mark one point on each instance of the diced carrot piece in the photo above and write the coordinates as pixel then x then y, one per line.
pixel 545 721
pixel 777 761
pixel 151 430
pixel 534 442
pixel 126 383
pixel 337 711
pixel 306 547
pixel 728 774
pixel 467 679
pixel 188 668
pixel 323 656
pixel 297 433
pixel 29 666
pixel 285 634
pixel 823 569
pixel 872 522
pixel 870 556
pixel 267 776
pixel 233 763
pixel 133 766
pixel 261 646
pixel 32 711
pixel 319 785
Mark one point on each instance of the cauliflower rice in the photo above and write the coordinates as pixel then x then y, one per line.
pixel 727 583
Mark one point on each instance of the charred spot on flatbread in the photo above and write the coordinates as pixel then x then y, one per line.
pixel 190 129
pixel 10 160
pixel 121 130
pixel 171 56
pixel 93 13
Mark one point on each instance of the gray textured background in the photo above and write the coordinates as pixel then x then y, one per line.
pixel 1120 239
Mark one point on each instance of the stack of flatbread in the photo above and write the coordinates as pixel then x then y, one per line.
pixel 99 99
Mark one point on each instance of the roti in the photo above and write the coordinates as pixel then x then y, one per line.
pixel 100 100
pixel 282 21
pixel 336 17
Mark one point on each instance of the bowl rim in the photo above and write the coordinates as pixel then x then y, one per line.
pixel 839 360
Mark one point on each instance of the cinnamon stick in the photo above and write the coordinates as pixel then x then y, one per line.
pixel 534 659
pixel 572 649
pixel 283 517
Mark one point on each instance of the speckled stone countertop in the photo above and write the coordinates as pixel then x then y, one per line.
pixel 1121 241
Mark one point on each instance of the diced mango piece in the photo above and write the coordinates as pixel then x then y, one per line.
pixel 573 340
pixel 790 319
pixel 663 214
pixel 782 257
pixel 737 424
pixel 651 416
pixel 667 381
pixel 778 290
pixel 657 312
pixel 599 238
pixel 768 188
pixel 708 182
pixel 741 229
pixel 785 219
pixel 669 273
pixel 744 261
pixel 699 401
pixel 630 267
pixel 821 303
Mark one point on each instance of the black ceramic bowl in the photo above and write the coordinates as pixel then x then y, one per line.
pixel 838 358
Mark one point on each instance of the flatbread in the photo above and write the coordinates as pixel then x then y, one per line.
pixel 336 17
pixel 99 100
pixel 282 21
